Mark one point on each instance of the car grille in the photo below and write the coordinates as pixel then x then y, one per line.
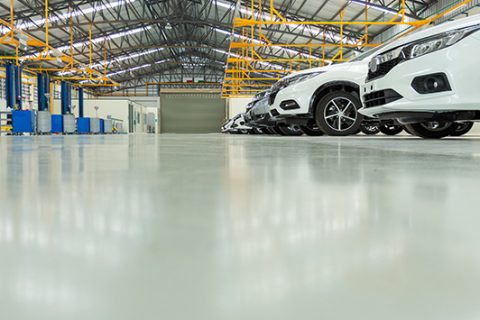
pixel 383 69
pixel 380 98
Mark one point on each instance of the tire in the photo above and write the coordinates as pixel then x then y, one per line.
pixel 243 131
pixel 266 131
pixel 289 130
pixel 462 129
pixel 391 129
pixel 408 130
pixel 369 129
pixel 312 130
pixel 272 130
pixel 337 113
pixel 432 130
pixel 256 131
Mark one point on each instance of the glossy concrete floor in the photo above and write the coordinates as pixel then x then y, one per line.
pixel 218 227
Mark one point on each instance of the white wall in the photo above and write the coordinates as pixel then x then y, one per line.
pixel 139 113
pixel 116 108
pixel 146 101
pixel 152 103
pixel 237 105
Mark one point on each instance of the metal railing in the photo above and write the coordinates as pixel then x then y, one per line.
pixel 5 122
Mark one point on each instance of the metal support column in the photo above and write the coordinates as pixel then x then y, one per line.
pixel 66 98
pixel 18 88
pixel 41 92
pixel 46 86
pixel 10 85
pixel 80 102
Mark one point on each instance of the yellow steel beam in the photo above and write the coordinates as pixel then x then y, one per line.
pixel 45 55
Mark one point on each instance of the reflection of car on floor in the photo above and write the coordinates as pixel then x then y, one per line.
pixel 322 100
pixel 428 80
pixel 236 124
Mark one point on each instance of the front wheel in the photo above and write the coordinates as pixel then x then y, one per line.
pixel 266 131
pixel 272 130
pixel 432 130
pixel 311 129
pixel 369 129
pixel 391 129
pixel 462 129
pixel 256 131
pixel 337 114
pixel 291 130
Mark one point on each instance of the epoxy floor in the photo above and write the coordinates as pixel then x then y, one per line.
pixel 219 227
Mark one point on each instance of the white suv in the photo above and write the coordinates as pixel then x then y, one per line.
pixel 428 80
pixel 236 124
pixel 322 100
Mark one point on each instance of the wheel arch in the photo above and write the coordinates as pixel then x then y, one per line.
pixel 332 86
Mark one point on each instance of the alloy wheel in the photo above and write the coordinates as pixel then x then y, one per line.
pixel 340 114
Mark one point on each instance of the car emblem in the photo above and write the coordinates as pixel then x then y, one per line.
pixel 373 65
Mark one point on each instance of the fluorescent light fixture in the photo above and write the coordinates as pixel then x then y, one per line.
pixel 135 68
pixel 243 10
pixel 66 15
pixel 313 30
pixel 110 37
pixel 122 58
pixel 129 70
pixel 128 57
pixel 376 7
pixel 96 40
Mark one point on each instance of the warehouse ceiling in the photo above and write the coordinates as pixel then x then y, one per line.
pixel 173 40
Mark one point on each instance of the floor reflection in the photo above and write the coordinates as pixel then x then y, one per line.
pixel 235 227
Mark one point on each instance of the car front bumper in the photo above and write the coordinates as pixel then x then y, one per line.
pixel 293 100
pixel 457 63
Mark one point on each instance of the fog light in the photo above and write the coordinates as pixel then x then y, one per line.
pixel 432 83
pixel 289 105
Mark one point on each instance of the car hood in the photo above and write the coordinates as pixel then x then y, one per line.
pixel 432 31
pixel 331 68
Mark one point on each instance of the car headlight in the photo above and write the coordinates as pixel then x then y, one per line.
pixel 284 83
pixel 422 47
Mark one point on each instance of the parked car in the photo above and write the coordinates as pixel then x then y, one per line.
pixel 323 100
pixel 255 114
pixel 258 116
pixel 428 80
pixel 236 124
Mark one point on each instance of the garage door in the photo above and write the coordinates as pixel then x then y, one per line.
pixel 191 112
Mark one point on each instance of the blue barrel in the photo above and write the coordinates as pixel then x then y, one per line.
pixel 23 121
pixel 83 125
pixel 57 123
pixel 102 126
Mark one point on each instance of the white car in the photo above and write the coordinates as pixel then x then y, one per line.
pixel 322 100
pixel 428 80
pixel 236 124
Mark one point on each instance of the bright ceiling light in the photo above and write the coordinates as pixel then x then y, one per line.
pixel 110 37
pixel 135 68
pixel 128 57
pixel 377 7
pixel 97 7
